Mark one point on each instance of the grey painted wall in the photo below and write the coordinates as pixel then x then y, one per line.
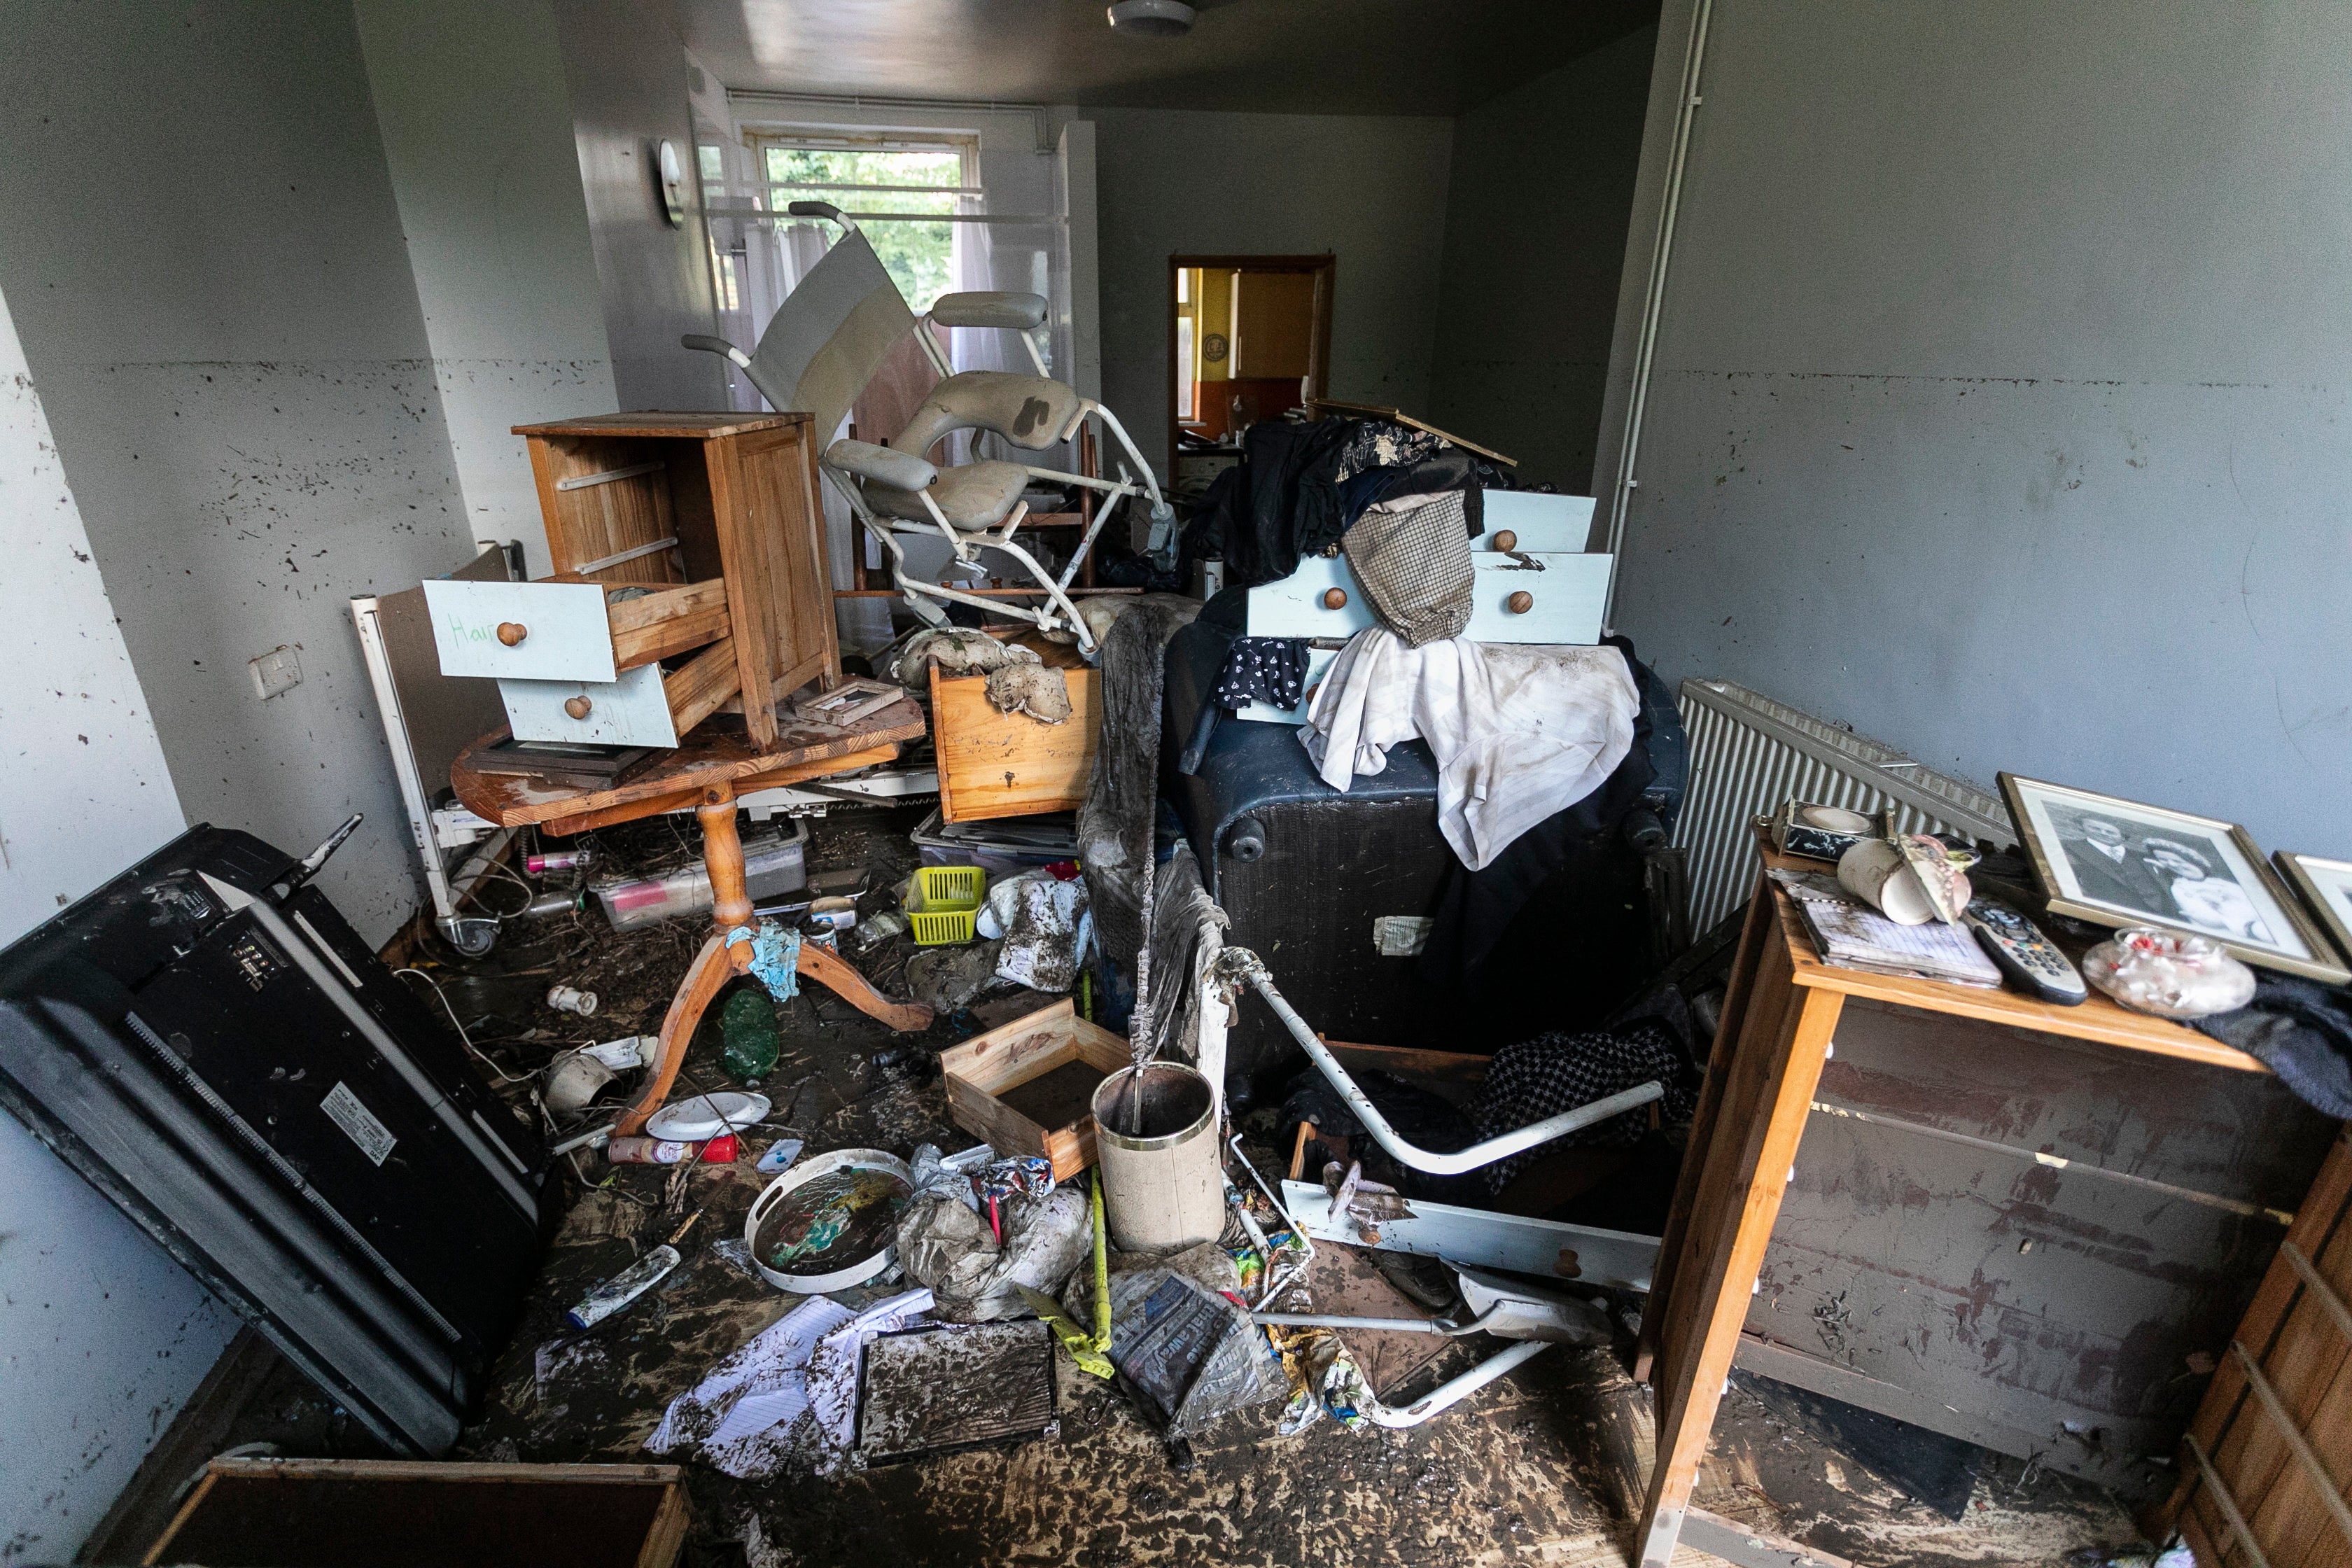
pixel 1369 189
pixel 1541 188
pixel 2000 401
pixel 626 72
pixel 227 336
pixel 476 125
pixel 102 1335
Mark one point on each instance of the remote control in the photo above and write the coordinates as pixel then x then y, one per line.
pixel 2024 954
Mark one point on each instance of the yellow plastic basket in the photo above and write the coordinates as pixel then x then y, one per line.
pixel 945 904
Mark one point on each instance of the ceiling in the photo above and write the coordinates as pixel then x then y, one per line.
pixel 1300 56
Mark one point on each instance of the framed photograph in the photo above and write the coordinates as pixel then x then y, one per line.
pixel 2119 863
pixel 2327 888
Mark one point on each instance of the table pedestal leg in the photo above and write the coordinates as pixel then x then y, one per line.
pixel 720 961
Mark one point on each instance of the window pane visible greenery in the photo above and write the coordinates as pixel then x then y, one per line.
pixel 918 256
pixel 714 168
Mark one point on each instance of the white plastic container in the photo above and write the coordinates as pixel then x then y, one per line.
pixel 771 868
pixel 856 1272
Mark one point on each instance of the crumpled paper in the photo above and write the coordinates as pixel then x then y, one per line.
pixel 788 1398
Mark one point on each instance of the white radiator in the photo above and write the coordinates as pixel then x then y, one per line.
pixel 1749 753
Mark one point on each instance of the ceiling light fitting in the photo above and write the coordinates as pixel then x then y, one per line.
pixel 1152 18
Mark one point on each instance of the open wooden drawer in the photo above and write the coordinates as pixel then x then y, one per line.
pixel 691 538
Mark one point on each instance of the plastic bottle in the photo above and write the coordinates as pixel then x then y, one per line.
pixel 747 1025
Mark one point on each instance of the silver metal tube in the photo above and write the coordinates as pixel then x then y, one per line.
pixel 1240 962
pixel 1446 1395
pixel 1377 1325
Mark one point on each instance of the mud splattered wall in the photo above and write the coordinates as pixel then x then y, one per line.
pixel 1535 236
pixel 102 1335
pixel 204 263
pixel 627 72
pixel 2000 404
pixel 478 131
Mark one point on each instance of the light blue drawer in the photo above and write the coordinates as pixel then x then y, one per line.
pixel 1535 522
pixel 631 712
pixel 1567 593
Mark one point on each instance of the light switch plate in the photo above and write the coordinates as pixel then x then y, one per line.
pixel 278 670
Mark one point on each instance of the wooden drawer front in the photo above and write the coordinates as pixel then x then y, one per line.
pixel 566 633
pixel 631 712
pixel 1567 593
pixel 996 764
pixel 1536 522
pixel 1566 596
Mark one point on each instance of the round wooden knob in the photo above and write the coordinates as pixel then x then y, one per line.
pixel 512 632
pixel 1507 540
pixel 578 707
pixel 1520 603
pixel 1335 598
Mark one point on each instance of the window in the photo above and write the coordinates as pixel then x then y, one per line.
pixel 1185 342
pixel 890 186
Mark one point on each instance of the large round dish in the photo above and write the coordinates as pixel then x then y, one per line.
pixel 799 1176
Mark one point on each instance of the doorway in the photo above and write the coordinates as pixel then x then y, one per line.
pixel 1249 338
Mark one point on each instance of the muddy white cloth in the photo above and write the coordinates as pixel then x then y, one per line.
pixel 1519 731
pixel 788 1396
pixel 1046 926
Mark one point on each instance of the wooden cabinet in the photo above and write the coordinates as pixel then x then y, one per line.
pixel 2027 1225
pixel 662 501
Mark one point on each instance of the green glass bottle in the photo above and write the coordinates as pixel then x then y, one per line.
pixel 746 1028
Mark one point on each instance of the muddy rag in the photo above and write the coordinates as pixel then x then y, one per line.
pixel 1519 731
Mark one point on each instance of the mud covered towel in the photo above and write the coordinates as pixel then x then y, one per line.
pixel 1519 731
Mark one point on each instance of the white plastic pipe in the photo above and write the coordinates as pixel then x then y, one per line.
pixel 1241 964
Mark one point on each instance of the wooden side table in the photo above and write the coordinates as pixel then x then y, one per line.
pixel 1950 1130
pixel 707 772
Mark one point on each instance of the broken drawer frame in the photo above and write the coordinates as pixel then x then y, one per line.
pixel 684 537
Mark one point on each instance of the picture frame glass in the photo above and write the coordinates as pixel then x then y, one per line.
pixel 2333 881
pixel 2158 867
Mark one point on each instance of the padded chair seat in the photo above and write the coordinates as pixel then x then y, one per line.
pixel 973 497
pixel 1029 411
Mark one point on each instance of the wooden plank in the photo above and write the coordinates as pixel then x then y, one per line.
pixel 750 589
pixel 2282 1329
pixel 1783 1038
pixel 996 764
pixel 1755 934
pixel 711 755
pixel 680 799
pixel 2099 1018
pixel 695 689
pixel 698 427
pixel 1450 1066
pixel 667 1538
pixel 668 623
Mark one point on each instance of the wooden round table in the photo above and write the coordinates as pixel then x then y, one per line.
pixel 707 772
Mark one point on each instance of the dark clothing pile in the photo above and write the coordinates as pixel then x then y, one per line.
pixel 2300 1030
pixel 1299 487
pixel 1272 670
pixel 1533 1080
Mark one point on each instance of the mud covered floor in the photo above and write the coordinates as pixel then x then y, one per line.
pixel 1543 1467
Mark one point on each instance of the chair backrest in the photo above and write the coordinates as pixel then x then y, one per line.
pixel 831 334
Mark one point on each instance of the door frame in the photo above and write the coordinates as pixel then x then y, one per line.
pixel 1326 269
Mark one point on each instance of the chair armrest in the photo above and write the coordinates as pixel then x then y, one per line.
pixel 990 307
pixel 880 464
